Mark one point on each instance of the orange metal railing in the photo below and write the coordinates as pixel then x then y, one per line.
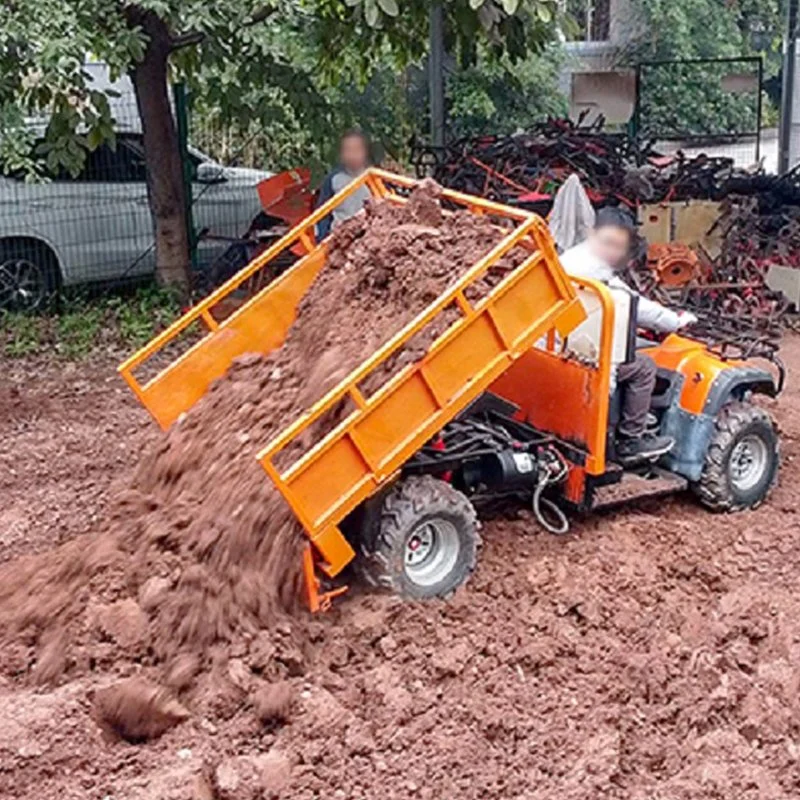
pixel 260 325
pixel 387 428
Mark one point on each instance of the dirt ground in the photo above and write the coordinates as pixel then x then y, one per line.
pixel 653 653
pixel 67 432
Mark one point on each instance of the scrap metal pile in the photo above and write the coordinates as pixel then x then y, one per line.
pixel 759 223
pixel 528 168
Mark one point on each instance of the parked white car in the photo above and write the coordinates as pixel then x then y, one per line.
pixel 98 227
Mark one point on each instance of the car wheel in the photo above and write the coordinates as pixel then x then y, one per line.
pixel 29 276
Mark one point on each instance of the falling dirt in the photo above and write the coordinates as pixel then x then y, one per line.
pixel 136 710
pixel 653 653
pixel 273 703
pixel 201 550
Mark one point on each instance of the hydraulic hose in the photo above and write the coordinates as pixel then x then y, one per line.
pixel 561 524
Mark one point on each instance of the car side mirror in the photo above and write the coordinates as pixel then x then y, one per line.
pixel 208 172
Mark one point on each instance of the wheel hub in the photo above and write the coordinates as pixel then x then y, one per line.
pixel 22 285
pixel 748 462
pixel 431 551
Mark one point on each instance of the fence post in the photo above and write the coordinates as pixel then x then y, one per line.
pixel 182 119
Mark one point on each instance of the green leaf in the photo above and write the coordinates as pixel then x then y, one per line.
pixel 476 4
pixel 389 7
pixel 372 13
pixel 510 6
pixel 544 13
pixel 94 138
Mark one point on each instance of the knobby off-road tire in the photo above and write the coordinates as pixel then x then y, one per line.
pixel 426 540
pixel 742 461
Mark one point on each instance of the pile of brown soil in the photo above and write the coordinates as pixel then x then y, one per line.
pixel 202 554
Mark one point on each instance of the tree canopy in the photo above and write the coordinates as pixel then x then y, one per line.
pixel 238 52
pixel 235 47
pixel 692 98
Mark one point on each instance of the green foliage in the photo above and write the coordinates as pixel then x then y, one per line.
pixel 691 98
pixel 81 325
pixel 679 99
pixel 42 49
pixel 509 27
pixel 247 59
pixel 77 329
pixel 21 334
pixel 501 97
pixel 709 28
pixel 139 317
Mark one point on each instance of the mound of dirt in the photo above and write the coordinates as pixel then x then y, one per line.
pixel 652 653
pixel 201 558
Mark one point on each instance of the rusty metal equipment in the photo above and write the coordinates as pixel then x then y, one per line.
pixel 674 263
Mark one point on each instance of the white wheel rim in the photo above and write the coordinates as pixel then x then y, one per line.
pixel 431 551
pixel 748 461
pixel 21 285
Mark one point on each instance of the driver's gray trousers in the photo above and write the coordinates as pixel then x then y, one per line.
pixel 636 381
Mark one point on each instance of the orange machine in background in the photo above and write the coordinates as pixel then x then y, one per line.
pixel 288 195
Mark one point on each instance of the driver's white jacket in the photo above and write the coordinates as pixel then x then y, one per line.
pixel 580 262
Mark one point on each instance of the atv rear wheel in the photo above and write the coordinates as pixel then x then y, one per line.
pixel 426 540
pixel 742 461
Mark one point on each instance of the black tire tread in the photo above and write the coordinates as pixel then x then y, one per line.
pixel 411 498
pixel 713 489
pixel 39 253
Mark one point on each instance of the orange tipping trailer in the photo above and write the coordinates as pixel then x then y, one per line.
pixel 366 450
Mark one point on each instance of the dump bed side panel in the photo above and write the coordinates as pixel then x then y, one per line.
pixel 260 326
pixel 368 447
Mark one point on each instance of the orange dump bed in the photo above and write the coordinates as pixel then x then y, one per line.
pixel 386 428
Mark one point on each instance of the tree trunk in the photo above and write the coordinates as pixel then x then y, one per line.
pixel 165 187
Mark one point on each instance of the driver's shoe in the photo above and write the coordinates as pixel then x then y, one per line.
pixel 646 447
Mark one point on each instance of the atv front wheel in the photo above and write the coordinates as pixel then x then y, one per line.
pixel 426 542
pixel 742 461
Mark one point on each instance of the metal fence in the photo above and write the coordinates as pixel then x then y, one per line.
pixel 702 105
pixel 61 229
pixel 94 228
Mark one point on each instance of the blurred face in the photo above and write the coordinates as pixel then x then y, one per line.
pixel 611 245
pixel 353 154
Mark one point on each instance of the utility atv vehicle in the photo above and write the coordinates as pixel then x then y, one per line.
pixel 513 398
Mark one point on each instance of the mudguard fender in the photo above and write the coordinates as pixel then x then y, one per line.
pixel 692 432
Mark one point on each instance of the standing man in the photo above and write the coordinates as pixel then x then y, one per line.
pixel 354 158
pixel 602 256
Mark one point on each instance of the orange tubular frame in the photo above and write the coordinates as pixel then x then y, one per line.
pixel 185 380
pixel 366 450
pixel 567 398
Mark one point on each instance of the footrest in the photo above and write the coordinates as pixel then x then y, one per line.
pixel 633 485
